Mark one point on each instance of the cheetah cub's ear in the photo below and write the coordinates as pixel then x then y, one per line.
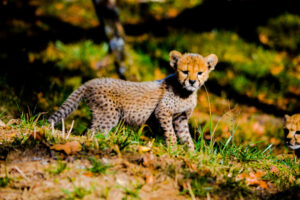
pixel 174 57
pixel 286 118
pixel 211 60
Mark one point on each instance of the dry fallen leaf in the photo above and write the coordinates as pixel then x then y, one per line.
pixel 143 149
pixel 88 174
pixel 69 147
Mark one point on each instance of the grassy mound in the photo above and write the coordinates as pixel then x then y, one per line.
pixel 38 162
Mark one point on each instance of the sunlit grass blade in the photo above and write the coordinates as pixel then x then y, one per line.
pixel 269 147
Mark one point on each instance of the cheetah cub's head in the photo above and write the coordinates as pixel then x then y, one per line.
pixel 192 69
pixel 292 131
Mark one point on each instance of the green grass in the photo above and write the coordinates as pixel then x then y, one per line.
pixel 97 167
pixel 212 169
pixel 59 168
pixel 4 181
pixel 77 193
pixel 132 193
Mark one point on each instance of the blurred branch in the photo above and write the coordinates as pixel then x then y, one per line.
pixel 108 15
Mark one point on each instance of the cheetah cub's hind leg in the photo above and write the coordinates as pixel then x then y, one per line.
pixel 105 117
pixel 103 122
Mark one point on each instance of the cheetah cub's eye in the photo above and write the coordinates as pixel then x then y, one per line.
pixel 185 72
pixel 199 73
pixel 298 132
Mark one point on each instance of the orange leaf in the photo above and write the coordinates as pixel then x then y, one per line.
pixel 88 174
pixel 241 176
pixel 262 184
pixel 69 147
pixel 255 179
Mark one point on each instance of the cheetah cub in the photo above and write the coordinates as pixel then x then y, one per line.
pixel 170 100
pixel 292 132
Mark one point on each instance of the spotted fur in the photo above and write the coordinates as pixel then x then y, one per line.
pixel 292 131
pixel 171 100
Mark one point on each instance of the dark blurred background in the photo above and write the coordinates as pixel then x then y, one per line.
pixel 50 47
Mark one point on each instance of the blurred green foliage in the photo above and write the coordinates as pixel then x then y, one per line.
pixel 282 33
pixel 136 11
pixel 77 12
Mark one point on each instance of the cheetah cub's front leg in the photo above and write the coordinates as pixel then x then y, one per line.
pixel 166 123
pixel 178 125
pixel 182 129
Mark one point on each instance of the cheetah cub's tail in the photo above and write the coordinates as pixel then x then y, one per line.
pixel 68 106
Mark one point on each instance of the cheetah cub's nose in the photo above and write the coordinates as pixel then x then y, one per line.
pixel 192 82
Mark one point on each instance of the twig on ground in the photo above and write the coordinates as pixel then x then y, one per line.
pixel 38 117
pixel 93 134
pixel 191 191
pixel 63 127
pixel 69 132
pixel 208 196
pixel 21 173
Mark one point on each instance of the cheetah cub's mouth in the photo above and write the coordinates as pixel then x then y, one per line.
pixel 297 146
pixel 191 87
